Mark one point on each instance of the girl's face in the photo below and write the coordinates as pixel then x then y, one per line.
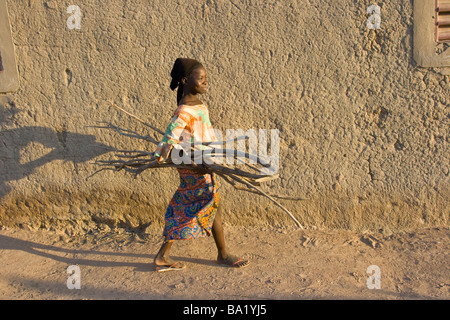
pixel 197 83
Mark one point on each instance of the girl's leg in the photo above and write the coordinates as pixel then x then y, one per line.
pixel 219 237
pixel 218 234
pixel 162 258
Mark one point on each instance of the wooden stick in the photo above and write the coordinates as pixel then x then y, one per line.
pixel 211 143
pixel 138 165
pixel 266 195
pixel 237 187
pixel 136 118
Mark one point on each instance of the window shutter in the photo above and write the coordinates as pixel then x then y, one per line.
pixel 9 77
pixel 1 62
pixel 431 26
pixel 442 18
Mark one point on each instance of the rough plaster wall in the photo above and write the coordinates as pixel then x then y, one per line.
pixel 364 130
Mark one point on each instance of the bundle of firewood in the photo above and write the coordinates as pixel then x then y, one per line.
pixel 202 157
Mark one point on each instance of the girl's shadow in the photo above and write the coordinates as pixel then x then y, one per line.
pixel 10 243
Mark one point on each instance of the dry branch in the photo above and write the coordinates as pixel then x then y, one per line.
pixel 137 161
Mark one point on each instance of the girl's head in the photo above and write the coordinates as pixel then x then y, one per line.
pixel 188 75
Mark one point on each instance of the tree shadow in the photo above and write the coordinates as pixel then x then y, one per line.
pixel 24 149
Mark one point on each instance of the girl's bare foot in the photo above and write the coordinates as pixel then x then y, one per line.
pixel 163 265
pixel 167 261
pixel 232 261
pixel 163 261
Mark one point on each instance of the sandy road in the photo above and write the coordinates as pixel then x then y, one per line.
pixel 285 264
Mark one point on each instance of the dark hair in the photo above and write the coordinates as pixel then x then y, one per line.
pixel 182 67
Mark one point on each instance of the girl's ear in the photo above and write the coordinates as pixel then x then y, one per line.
pixel 184 80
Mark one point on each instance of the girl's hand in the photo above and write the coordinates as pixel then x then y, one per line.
pixel 165 151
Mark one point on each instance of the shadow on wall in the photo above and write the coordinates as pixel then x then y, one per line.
pixel 24 149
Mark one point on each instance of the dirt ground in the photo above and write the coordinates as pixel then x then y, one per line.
pixel 285 264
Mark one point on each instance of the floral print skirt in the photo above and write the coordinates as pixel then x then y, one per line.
pixel 191 211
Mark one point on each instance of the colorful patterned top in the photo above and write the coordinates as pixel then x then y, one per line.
pixel 189 124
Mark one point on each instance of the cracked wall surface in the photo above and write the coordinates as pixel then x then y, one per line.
pixel 364 130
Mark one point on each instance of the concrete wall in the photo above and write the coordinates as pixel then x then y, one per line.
pixel 364 130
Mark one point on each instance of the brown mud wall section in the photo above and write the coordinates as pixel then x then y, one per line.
pixel 363 129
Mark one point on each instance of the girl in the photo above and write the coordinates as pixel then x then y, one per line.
pixel 193 211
